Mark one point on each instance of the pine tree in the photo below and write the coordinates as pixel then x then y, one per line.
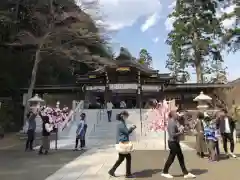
pixel 196 30
pixel 145 57
pixel 232 35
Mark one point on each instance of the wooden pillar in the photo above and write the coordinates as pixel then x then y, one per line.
pixel 163 94
pixel 160 94
pixel 139 91
pixel 107 91
pixel 139 94
pixel 81 93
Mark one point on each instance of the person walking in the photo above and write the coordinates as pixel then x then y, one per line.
pixel 226 126
pixel 123 138
pixel 31 130
pixel 174 134
pixel 80 133
pixel 200 141
pixel 46 132
pixel 123 105
pixel 109 110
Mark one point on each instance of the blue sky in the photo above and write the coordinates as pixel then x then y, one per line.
pixel 140 24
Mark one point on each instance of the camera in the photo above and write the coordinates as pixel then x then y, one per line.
pixel 118 117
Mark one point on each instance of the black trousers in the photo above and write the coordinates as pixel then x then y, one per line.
pixel 30 139
pixel 121 158
pixel 175 150
pixel 109 113
pixel 217 148
pixel 82 143
pixel 228 137
pixel 84 136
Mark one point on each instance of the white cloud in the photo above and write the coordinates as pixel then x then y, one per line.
pixel 171 6
pixel 123 13
pixel 155 40
pixel 169 23
pixel 227 23
pixel 151 21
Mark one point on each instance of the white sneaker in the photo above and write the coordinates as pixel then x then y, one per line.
pixel 189 175
pixel 233 155
pixel 169 176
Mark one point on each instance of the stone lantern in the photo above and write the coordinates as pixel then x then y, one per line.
pixel 202 100
pixel 35 101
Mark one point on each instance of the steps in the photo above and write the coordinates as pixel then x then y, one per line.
pixel 103 134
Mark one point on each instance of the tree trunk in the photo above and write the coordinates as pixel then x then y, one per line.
pixel 199 73
pixel 32 83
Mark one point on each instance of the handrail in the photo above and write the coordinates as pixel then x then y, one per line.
pixel 99 118
pixel 70 118
pixel 99 115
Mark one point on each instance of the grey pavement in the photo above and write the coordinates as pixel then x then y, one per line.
pixel 148 165
pixel 15 164
pixel 147 159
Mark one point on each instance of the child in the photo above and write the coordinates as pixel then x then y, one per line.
pixel 211 138
pixel 80 133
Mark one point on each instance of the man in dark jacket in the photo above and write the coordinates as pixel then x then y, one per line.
pixel 226 126
pixel 174 134
pixel 46 132
pixel 31 130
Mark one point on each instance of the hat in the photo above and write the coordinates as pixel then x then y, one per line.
pixel 83 114
pixel 124 113
pixel 205 114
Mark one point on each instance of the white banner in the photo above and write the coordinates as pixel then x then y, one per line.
pixel 151 88
pixel 123 86
pixel 95 88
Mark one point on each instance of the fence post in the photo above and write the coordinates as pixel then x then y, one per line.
pixel 165 140
pixel 56 139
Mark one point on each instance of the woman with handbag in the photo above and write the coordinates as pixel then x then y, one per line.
pixel 123 145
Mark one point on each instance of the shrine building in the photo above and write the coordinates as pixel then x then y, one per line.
pixel 127 80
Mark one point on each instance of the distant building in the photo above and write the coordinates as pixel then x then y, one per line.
pixel 233 93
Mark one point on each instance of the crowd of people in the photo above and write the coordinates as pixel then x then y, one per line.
pixel 52 119
pixel 209 130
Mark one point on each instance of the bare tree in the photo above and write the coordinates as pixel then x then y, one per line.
pixel 60 28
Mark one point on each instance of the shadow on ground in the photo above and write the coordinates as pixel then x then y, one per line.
pixel 149 165
pixel 146 173
pixel 196 172
pixel 19 165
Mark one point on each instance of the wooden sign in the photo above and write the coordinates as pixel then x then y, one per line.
pixel 151 88
pixel 92 76
pixel 95 88
pixel 154 75
pixel 123 69
pixel 123 86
